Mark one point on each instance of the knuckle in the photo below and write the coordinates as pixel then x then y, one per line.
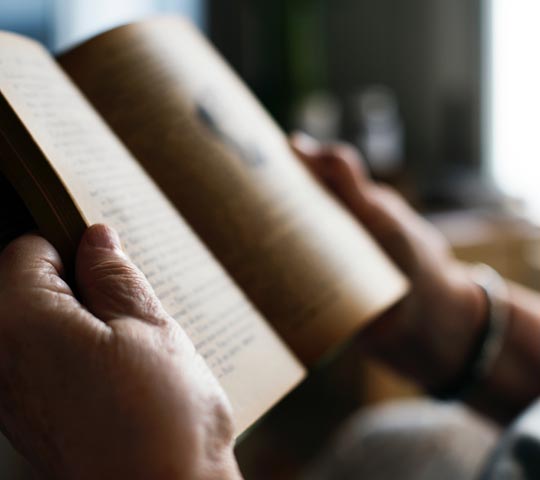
pixel 223 423
pixel 111 275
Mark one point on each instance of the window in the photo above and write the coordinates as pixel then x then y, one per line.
pixel 513 99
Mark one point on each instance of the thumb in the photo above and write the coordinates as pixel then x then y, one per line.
pixel 110 285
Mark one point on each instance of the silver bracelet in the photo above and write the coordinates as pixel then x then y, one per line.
pixel 487 347
pixel 496 291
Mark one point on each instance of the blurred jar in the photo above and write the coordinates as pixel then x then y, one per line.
pixel 380 130
pixel 319 114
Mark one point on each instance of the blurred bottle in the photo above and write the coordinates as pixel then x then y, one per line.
pixel 380 133
pixel 319 114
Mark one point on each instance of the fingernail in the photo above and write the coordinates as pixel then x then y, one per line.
pixel 305 143
pixel 102 236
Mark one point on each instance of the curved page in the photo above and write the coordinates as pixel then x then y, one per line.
pixel 313 271
pixel 67 144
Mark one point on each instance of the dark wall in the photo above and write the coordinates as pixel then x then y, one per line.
pixel 252 35
pixel 427 51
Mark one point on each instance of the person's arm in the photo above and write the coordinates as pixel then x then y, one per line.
pixel 111 390
pixel 430 334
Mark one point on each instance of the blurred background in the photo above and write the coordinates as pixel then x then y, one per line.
pixel 442 98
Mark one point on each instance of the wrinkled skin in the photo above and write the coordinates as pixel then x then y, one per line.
pixel 114 388
pixel 111 390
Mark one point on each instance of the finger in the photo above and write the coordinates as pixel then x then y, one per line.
pixel 32 291
pixel 322 157
pixel 338 165
pixel 309 151
pixel 346 175
pixel 111 286
pixel 33 263
pixel 307 147
pixel 340 168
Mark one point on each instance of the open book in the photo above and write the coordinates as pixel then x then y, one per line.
pixel 146 129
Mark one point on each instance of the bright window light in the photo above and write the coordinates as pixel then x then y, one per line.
pixel 514 99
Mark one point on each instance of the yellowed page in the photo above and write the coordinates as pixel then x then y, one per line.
pixel 107 185
pixel 313 271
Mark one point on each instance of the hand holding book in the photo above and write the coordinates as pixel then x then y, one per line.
pixel 427 335
pixel 124 341
pixel 148 131
pixel 113 389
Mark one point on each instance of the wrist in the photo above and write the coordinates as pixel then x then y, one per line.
pixel 462 324
pixel 484 351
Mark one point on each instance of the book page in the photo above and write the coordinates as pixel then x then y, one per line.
pixel 108 186
pixel 310 268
